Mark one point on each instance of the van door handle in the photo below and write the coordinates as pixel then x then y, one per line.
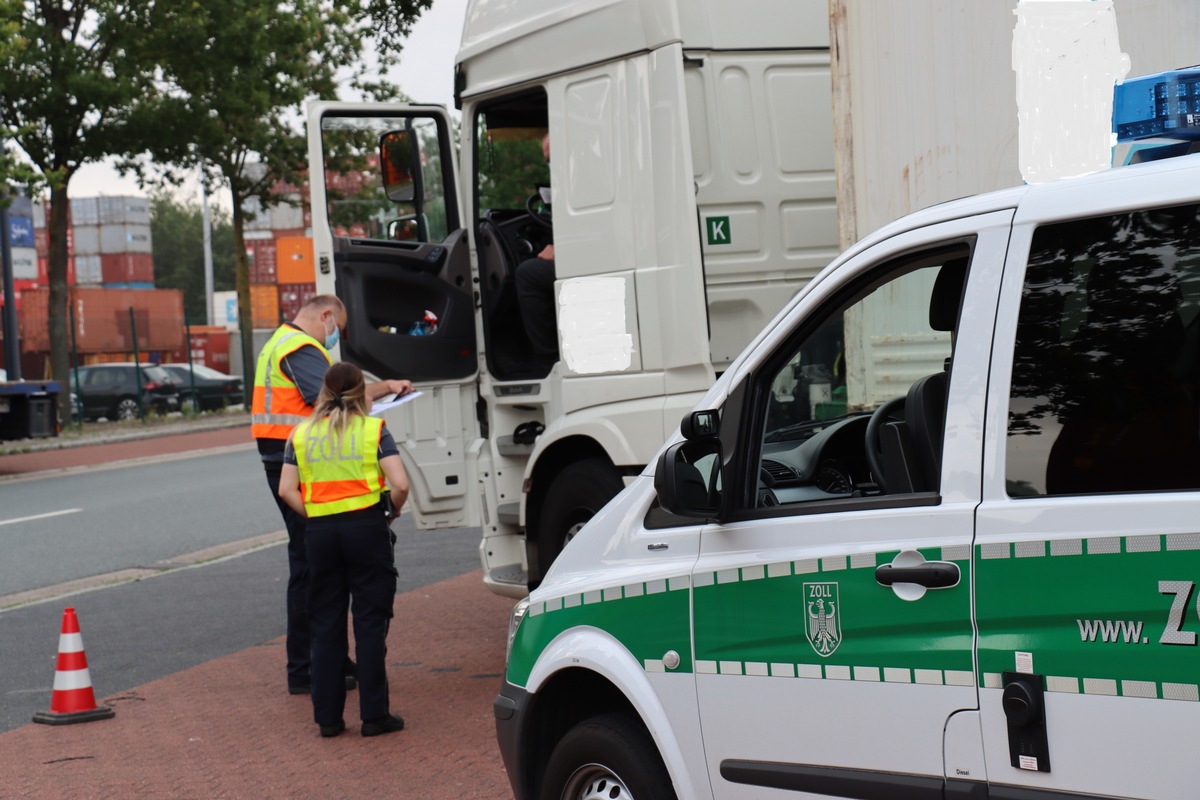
pixel 931 574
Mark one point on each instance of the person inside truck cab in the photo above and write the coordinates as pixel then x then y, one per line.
pixel 535 293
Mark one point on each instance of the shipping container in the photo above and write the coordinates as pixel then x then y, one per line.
pixel 210 347
pixel 24 263
pixel 139 285
pixel 128 209
pixel 102 319
pixel 256 218
pixel 285 216
pixel 125 268
pixel 85 210
pixel 88 270
pixel 294 260
pixel 260 254
pixel 119 237
pixel 43 276
pixel 86 240
pixel 294 295
pixel 225 310
pixel 264 305
pixel 20 230
pixel 41 240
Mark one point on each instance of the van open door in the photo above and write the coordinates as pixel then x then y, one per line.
pixel 388 240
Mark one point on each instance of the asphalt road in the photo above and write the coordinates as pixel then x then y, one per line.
pixel 71 526
pixel 142 514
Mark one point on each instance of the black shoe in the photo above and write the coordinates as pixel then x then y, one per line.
pixel 329 731
pixel 389 724
pixel 299 688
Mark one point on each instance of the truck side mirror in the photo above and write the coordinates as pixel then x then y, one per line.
pixel 688 478
pixel 400 166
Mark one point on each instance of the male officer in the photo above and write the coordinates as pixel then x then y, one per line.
pixel 287 378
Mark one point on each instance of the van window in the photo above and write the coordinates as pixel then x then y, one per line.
pixel 856 406
pixel 1106 366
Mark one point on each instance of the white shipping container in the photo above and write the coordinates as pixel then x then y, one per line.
pixel 39 215
pixel 129 209
pixel 24 264
pixel 225 310
pixel 87 240
pixel 85 210
pixel 256 218
pixel 124 238
pixel 286 218
pixel 88 269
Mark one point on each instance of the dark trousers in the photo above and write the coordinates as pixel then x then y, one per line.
pixel 535 293
pixel 299 643
pixel 351 565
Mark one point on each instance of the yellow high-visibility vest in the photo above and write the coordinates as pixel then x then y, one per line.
pixel 278 405
pixel 339 476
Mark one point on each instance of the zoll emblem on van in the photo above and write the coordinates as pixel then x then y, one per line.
pixel 822 610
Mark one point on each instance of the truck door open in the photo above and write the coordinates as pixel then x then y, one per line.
pixel 389 242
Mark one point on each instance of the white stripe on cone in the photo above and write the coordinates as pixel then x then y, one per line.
pixel 68 680
pixel 70 643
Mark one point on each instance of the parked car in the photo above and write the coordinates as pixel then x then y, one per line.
pixel 214 389
pixel 111 390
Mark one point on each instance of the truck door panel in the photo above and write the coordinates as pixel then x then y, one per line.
pixel 389 243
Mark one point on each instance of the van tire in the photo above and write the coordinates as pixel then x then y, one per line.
pixel 575 495
pixel 610 756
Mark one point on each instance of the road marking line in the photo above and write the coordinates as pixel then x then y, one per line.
pixel 40 516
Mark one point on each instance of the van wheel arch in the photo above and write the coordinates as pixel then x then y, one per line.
pixel 568 699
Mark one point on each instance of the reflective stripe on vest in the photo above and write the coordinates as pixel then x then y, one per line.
pixel 339 476
pixel 277 405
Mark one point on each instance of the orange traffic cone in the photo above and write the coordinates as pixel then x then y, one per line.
pixel 73 699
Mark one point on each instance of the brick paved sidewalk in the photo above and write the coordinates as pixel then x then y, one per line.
pixel 228 729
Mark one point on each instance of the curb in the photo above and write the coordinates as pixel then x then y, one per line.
pixel 107 436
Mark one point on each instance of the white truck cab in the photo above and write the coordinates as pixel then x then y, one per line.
pixel 980 586
pixel 692 194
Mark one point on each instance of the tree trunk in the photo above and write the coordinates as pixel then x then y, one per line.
pixel 57 312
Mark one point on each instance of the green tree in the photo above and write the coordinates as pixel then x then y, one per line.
pixel 77 85
pixel 240 71
pixel 177 233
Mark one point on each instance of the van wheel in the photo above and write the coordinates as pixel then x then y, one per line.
pixel 612 757
pixel 574 497
pixel 127 408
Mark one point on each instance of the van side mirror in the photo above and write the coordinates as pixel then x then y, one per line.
pixel 688 478
pixel 701 425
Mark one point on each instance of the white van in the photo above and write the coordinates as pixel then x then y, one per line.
pixel 983 587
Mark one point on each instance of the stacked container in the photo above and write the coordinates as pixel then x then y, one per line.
pixel 112 242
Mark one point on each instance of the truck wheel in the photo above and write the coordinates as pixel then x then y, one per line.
pixel 127 408
pixel 574 497
pixel 611 757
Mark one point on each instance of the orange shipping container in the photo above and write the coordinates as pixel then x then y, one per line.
pixel 264 305
pixel 210 347
pixel 127 267
pixel 294 260
pixel 102 319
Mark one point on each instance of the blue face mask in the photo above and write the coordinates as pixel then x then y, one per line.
pixel 332 338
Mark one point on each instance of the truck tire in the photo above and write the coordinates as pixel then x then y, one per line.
pixel 574 497
pixel 610 756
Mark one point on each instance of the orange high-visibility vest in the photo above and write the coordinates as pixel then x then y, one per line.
pixel 278 405
pixel 339 476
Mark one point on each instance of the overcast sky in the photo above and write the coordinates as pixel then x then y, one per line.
pixel 426 74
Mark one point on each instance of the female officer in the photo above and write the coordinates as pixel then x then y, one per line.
pixel 333 473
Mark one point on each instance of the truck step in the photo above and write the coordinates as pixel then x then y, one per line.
pixel 505 446
pixel 511 574
pixel 509 513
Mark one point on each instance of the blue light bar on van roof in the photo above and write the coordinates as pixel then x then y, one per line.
pixel 1166 104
